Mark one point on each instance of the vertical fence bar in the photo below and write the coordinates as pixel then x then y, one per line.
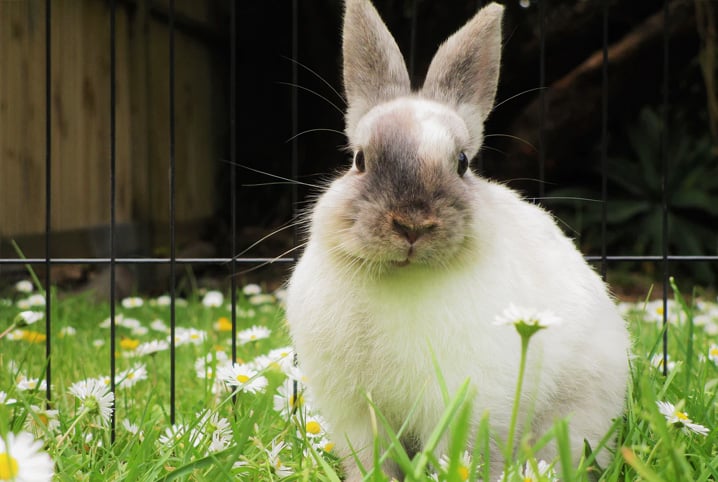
pixel 48 199
pixel 233 165
pixel 173 253
pixel 664 194
pixel 113 198
pixel 604 140
pixel 412 39
pixel 542 97
pixel 295 151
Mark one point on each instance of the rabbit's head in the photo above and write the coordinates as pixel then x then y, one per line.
pixel 409 196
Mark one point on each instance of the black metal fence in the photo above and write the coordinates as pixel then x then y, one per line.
pixel 233 264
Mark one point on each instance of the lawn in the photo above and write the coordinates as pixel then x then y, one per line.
pixel 236 421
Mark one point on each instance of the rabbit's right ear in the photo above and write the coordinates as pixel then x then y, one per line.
pixel 374 69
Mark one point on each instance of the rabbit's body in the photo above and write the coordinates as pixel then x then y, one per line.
pixel 411 258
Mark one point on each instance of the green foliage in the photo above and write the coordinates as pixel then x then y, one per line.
pixel 635 196
pixel 266 444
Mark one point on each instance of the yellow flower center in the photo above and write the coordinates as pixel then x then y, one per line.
pixel 328 447
pixel 34 337
pixel 223 324
pixel 528 479
pixel 659 310
pixel 463 473
pixel 129 343
pixel 313 427
pixel 44 419
pixel 8 467
pixel 242 378
pixel 682 416
pixel 713 351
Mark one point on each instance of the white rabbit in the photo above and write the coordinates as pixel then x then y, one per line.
pixel 411 257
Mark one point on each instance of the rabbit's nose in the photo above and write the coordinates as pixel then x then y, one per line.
pixel 412 231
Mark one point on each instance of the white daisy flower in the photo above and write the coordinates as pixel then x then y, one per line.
pixel 280 470
pixel 680 419
pixel 526 473
pixel 178 434
pixel 164 300
pixel 4 400
pixel 515 315
pixel 216 428
pixel 41 422
pixel 151 347
pixel 31 384
pixel 130 323
pixel 22 459
pixel 24 286
pixel 98 343
pixel 253 334
pixel 184 336
pixel 657 361
pixel 283 357
pixel 95 398
pixel 29 317
pixel 108 321
pixel 206 365
pixel 67 331
pixel 134 429
pixel 31 302
pixel 261 299
pixel 284 400
pixel 242 377
pixel 315 426
pixel 159 325
pixel 132 302
pixel 140 331
pixel 323 444
pixel 713 353
pixel 251 289
pixel 213 299
pixel 463 470
pixel 130 377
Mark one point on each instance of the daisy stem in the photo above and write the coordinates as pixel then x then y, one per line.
pixel 12 326
pixel 81 415
pixel 517 400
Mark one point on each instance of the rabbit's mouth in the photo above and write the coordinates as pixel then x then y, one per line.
pixel 401 264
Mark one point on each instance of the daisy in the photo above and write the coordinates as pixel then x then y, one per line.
pixel 98 343
pixel 242 377
pixel 216 428
pixel 31 301
pixel 284 399
pixel 323 444
pixel 514 315
pixel 67 331
pixel 41 421
pixel 261 299
pixel 31 384
pixel 130 377
pixel 184 336
pixel 159 325
pixel 213 299
pixel 282 357
pixel 251 289
pixel 463 470
pixel 132 302
pixel 151 347
pixel 29 317
pixel 22 459
pixel 177 434
pixel 24 286
pixel 528 472
pixel 164 300
pixel 108 321
pixel 95 399
pixel 280 470
pixel 315 426
pixel 4 400
pixel 253 334
pixel 680 419
pixel 657 362
pixel 132 428
pixel 130 323
pixel 713 353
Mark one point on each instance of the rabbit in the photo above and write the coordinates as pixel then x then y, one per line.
pixel 411 256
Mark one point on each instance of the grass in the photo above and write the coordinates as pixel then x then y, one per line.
pixel 250 432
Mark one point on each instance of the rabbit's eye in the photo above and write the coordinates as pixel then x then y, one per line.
pixel 359 161
pixel 463 164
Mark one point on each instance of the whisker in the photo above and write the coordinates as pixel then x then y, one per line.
pixel 512 137
pixel 271 261
pixel 292 181
pixel 290 84
pixel 331 87
pixel 314 130
pixel 566 198
pixel 289 224
pixel 518 95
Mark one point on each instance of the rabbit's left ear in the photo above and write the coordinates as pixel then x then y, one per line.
pixel 465 70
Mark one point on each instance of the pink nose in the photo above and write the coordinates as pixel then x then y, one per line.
pixel 411 231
